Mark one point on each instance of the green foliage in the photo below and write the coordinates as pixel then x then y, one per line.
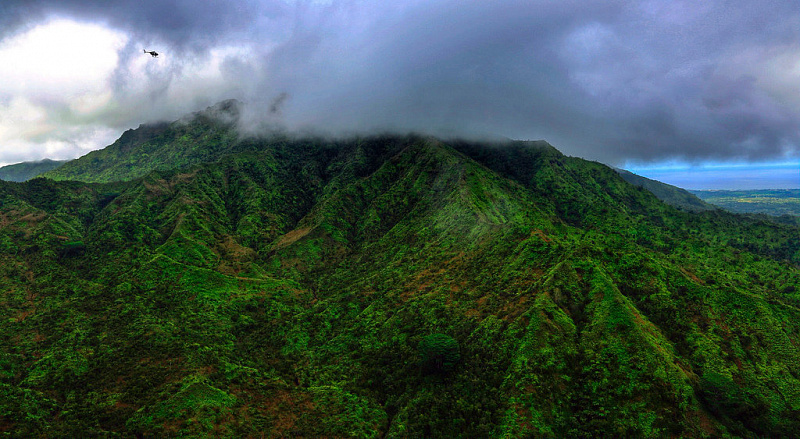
pixel 27 170
pixel 439 353
pixel 194 409
pixel 73 248
pixel 672 195
pixel 288 287
pixel 199 138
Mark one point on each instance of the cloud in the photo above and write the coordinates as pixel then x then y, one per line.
pixel 615 81
pixel 186 24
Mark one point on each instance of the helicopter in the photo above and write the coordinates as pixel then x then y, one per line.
pixel 152 53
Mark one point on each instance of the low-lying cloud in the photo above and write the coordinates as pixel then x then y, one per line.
pixel 614 81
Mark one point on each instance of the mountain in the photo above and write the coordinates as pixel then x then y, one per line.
pixel 196 138
pixel 667 193
pixel 385 286
pixel 26 170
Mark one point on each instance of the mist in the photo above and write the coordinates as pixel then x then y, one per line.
pixel 619 82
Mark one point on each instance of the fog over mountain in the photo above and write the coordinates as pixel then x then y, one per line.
pixel 615 81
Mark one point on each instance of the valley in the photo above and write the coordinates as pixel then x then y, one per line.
pixel 187 281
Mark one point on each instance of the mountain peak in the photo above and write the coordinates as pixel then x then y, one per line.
pixel 228 110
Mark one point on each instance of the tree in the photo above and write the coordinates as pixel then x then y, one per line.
pixel 439 352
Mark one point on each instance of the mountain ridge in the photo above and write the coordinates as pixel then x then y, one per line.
pixel 667 193
pixel 165 145
pixel 24 171
pixel 189 140
pixel 284 287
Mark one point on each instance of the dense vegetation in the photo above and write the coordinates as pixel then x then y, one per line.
pixel 667 193
pixel 198 138
pixel 26 170
pixel 389 286
pixel 768 201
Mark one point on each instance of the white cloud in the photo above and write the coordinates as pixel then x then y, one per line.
pixel 647 80
pixel 29 132
pixel 59 57
pixel 54 80
pixel 19 118
pixel 72 87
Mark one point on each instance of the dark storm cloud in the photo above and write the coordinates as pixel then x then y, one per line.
pixel 607 80
pixel 186 24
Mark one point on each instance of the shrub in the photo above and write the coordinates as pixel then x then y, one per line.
pixel 439 353
pixel 73 248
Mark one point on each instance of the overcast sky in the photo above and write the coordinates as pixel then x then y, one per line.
pixel 621 82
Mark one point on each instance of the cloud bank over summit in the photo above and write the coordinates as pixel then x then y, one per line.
pixel 613 81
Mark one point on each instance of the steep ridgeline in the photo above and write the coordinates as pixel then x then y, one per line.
pixel 667 193
pixel 295 290
pixel 26 170
pixel 200 137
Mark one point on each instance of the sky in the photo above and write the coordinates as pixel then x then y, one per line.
pixel 728 176
pixel 648 85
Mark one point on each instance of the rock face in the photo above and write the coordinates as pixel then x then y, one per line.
pixel 278 287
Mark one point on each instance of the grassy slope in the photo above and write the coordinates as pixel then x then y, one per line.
pixel 285 291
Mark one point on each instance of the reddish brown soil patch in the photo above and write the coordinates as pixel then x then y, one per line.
pixel 692 276
pixel 292 236
pixel 541 235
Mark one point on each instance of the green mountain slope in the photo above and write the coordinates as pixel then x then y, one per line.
pixel 667 193
pixel 286 290
pixel 27 170
pixel 197 138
